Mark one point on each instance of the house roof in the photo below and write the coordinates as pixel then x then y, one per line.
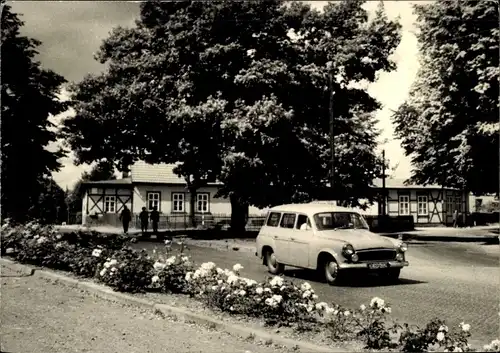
pixel 142 172
pixel 124 181
pixel 400 184
pixel 311 208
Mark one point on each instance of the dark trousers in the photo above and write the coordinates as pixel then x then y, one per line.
pixel 144 227
pixel 125 226
pixel 155 227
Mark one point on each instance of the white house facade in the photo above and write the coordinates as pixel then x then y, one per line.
pixel 153 186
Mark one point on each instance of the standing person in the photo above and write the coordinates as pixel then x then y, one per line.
pixel 125 217
pixel 144 217
pixel 155 218
pixel 455 218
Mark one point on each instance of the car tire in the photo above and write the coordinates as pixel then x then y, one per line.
pixel 392 275
pixel 331 271
pixel 273 266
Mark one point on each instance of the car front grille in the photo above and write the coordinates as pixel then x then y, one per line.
pixel 376 255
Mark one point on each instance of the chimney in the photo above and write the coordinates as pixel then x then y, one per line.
pixel 125 171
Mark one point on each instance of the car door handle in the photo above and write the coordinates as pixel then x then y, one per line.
pixel 275 237
pixel 292 238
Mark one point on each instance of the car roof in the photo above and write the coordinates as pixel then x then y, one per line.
pixel 311 208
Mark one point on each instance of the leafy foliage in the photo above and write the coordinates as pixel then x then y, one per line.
pixel 29 97
pixel 261 124
pixel 449 125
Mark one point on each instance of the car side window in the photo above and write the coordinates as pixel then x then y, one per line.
pixel 303 220
pixel 288 220
pixel 274 219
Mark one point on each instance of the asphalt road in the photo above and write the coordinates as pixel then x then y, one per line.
pixel 453 281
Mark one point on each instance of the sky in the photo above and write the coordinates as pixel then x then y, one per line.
pixel 71 32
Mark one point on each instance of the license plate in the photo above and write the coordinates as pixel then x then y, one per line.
pixel 377 265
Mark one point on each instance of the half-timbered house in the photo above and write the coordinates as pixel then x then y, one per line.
pixel 430 205
pixel 153 186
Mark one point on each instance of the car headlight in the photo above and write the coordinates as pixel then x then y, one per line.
pixel 354 257
pixel 347 250
pixel 403 247
pixel 400 256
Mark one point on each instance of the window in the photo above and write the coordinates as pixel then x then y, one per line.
pixel 178 202
pixel 301 219
pixel 404 205
pixel 422 204
pixel 202 202
pixel 339 220
pixel 449 205
pixel 153 200
pixel 288 220
pixel 274 219
pixel 110 204
pixel 458 203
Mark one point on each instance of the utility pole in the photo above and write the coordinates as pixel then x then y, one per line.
pixel 332 136
pixel 383 183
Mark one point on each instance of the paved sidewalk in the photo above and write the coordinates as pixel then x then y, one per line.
pixel 43 317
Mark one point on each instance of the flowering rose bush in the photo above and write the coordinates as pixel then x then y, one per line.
pixel 127 270
pixel 275 300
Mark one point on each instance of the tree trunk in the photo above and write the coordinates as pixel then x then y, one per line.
pixel 192 206
pixel 239 214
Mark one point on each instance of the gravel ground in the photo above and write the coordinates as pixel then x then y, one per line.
pixel 40 316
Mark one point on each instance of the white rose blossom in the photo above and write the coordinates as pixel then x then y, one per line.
pixel 158 266
pixel 377 302
pixel 306 294
pixel 242 293
pixel 96 252
pixel 362 307
pixel 440 336
pixel 276 281
pixel 259 290
pixel 465 327
pixel 155 279
pixel 103 272
pixel 305 287
pixel 237 268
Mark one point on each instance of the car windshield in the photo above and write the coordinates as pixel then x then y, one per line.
pixel 339 220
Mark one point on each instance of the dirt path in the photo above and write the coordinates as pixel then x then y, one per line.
pixel 37 316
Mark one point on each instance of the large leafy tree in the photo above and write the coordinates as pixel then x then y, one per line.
pixel 29 96
pixel 239 91
pixel 449 125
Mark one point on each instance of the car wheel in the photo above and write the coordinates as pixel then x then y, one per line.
pixel 273 265
pixel 392 275
pixel 331 271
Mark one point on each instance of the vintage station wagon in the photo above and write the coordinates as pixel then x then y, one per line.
pixel 328 238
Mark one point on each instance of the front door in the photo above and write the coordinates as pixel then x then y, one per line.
pixel 300 240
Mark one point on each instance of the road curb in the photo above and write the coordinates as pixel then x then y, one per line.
pixel 167 310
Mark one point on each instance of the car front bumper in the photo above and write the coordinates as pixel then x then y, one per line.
pixel 365 265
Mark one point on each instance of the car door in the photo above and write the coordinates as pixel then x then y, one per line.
pixel 300 241
pixel 278 236
pixel 286 225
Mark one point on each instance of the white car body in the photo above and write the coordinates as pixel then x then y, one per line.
pixel 293 245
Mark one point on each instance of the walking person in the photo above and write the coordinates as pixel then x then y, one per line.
pixel 144 217
pixel 155 218
pixel 125 217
